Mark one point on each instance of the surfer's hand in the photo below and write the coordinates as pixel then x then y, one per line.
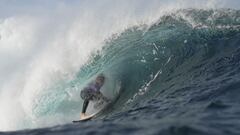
pixel 106 99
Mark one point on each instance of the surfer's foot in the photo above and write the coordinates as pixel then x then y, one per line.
pixel 82 115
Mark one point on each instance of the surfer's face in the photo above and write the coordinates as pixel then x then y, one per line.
pixel 100 80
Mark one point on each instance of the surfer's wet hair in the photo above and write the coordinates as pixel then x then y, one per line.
pixel 101 76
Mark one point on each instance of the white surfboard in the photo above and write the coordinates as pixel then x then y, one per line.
pixel 85 118
pixel 90 116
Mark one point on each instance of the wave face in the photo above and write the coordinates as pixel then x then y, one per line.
pixel 178 75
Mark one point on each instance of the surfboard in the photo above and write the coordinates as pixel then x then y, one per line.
pixel 89 117
pixel 85 118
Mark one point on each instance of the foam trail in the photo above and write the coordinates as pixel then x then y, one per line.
pixel 42 45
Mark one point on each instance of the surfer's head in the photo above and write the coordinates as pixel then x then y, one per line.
pixel 100 79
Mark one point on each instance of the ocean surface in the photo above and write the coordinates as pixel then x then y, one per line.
pixel 177 75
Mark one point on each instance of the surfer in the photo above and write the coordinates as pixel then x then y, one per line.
pixel 92 93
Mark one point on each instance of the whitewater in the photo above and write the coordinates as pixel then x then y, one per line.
pixel 174 66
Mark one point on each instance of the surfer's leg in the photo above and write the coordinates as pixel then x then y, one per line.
pixel 85 105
